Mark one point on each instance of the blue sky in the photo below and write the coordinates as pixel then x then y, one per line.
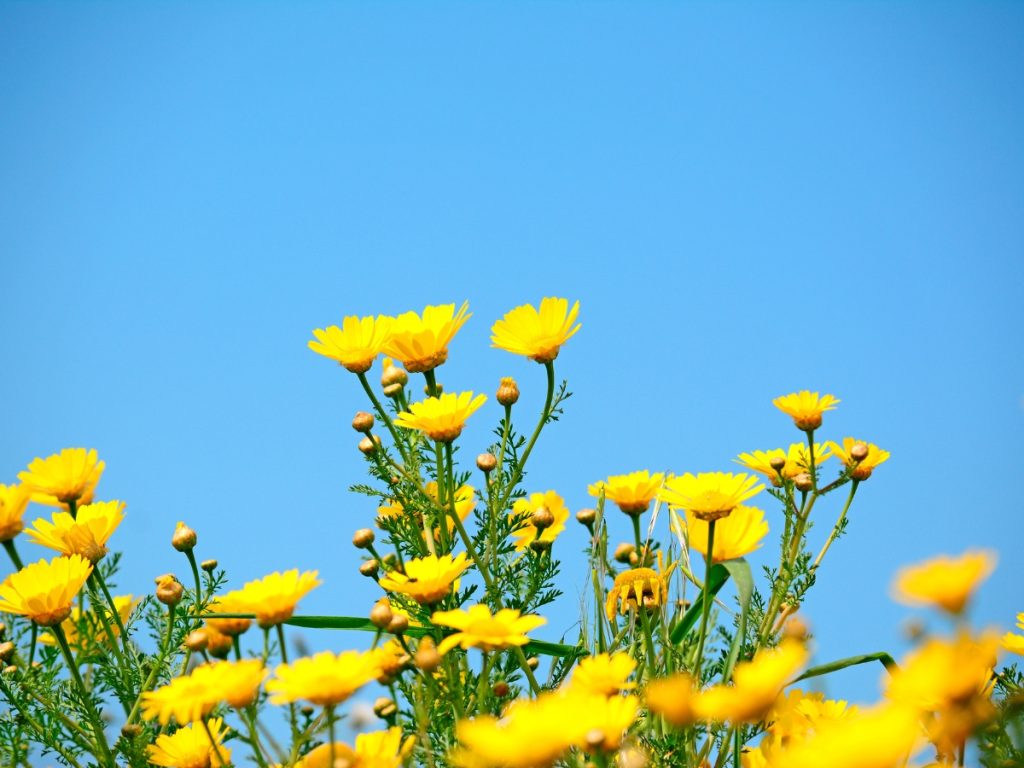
pixel 747 199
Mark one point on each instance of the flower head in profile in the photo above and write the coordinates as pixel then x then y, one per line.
pixel 946 582
pixel 524 507
pixel 235 683
pixel 859 470
pixel 13 500
pixel 376 749
pixel 631 493
pixel 795 717
pixel 123 604
pixel 477 628
pixel 645 587
pixel 44 591
pixel 426 579
pixel 441 418
pixel 421 342
pixel 796 461
pixel 274 597
pixel 190 747
pixel 85 534
pixel 186 699
pixel 63 478
pixel 710 495
pixel 736 536
pixel 604 674
pixel 229 602
pixel 537 334
pixel 356 344
pixel 806 407
pixel 1012 642
pixel 325 679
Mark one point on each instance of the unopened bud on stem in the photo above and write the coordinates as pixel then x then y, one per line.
pixel 363 538
pixel 803 482
pixel 362 421
pixel 486 462
pixel 184 538
pixel 508 391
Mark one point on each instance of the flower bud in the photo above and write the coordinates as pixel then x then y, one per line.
pixel 623 551
pixel 363 538
pixel 500 689
pixel 859 452
pixel 197 640
pixel 796 628
pixel 368 446
pixel 427 658
pixel 7 650
pixel 381 614
pixel 392 375
pixel 398 624
pixel 803 482
pixel 533 662
pixel 634 559
pixel 131 730
pixel 370 568
pixel 778 463
pixel 486 462
pixel 393 390
pixel 586 517
pixel 593 740
pixel 208 565
pixel 168 590
pixel 632 757
pixel 362 421
pixel 508 391
pixel 184 538
pixel 541 545
pixel 384 707
pixel 218 645
pixel 542 518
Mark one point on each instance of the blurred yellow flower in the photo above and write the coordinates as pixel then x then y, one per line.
pixel 376 749
pixel 44 591
pixel 274 597
pixel 186 699
pixel 13 500
pixel 426 579
pixel 465 502
pixel 85 534
pixel 421 343
pixel 607 717
pixel 356 344
pixel 524 507
pixel 190 747
pixel 479 629
pixel 1015 643
pixel 737 535
pixel 794 718
pixel 441 418
pixel 757 683
pixel 797 460
pixel 631 493
pixel 124 604
pixel 859 470
pixel 604 674
pixel 68 476
pixel 946 582
pixel 806 407
pixel 672 698
pixel 535 334
pixel 710 495
pixel 235 683
pixel 637 586
pixel 229 602
pixel 325 679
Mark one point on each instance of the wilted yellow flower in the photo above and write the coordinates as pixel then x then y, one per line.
pixel 672 698
pixel 70 475
pixel 356 344
pixel 757 684
pixel 376 749
pixel 946 582
pixel 737 535
pixel 426 579
pixel 637 586
pixel 85 534
pixel 604 674
pixel 548 500
pixel 421 343
pixel 797 460
pixel 479 629
pixel 229 602
pixel 190 747
pixel 274 597
pixel 631 493
pixel 44 591
pixel 859 470
pixel 13 500
pixel 806 407
pixel 325 679
pixel 442 418
pixel 535 334
pixel 124 604
pixel 710 495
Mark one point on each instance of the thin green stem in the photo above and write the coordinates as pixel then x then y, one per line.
pixel 635 519
pixel 94 717
pixel 292 719
pixel 151 678
pixel 813 468
pixel 195 575
pixel 45 737
pixel 544 415
pixel 383 415
pixel 248 716
pixel 650 653
pixel 705 602
pixel 12 553
pixel 115 613
pixel 441 495
pixel 330 732
pixel 835 529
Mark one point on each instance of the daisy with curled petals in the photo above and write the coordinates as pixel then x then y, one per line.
pixel 631 493
pixel 479 629
pixel 794 461
pixel 426 579
pixel 859 470
pixel 376 749
pixel 945 582
pixel 274 597
pixel 638 586
pixel 441 418
pixel 44 591
pixel 1012 642
pixel 522 508
pixel 604 674
pixel 13 500
pixel 806 408
pixel 421 342
pixel 65 478
pixel 190 747
pixel 84 534
pixel 356 344
pixel 537 334
pixel 326 679
pixel 736 536
pixel 710 495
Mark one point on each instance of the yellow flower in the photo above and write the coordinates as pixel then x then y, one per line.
pixel 442 418
pixel 13 500
pixel 421 343
pixel 426 579
pixel 325 679
pixel 606 716
pixel 68 476
pixel 522 508
pixel 710 495
pixel 44 591
pixel 479 629
pixel 190 747
pixel 859 470
pixel 274 597
pixel 234 682
pixel 537 335
pixel 124 604
pixel 356 344
pixel 737 535
pixel 638 586
pixel 946 582
pixel 631 493
pixel 672 698
pixel 376 749
pixel 186 699
pixel 797 460
pixel 794 718
pixel 1015 643
pixel 85 534
pixel 465 502
pixel 757 685
pixel 604 674
pixel 230 602
pixel 806 408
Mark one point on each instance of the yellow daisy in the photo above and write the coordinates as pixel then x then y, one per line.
pixel 548 500
pixel 860 470
pixel 274 597
pixel 236 683
pixel 631 493
pixel 757 683
pixel 672 698
pixel 426 579
pixel 124 604
pixel 421 343
pixel 186 699
pixel 376 749
pixel 442 418
pixel 13 500
pixel 806 407
pixel 44 591
pixel 737 535
pixel 356 344
pixel 190 747
pixel 638 586
pixel 84 534
pixel 230 602
pixel 325 679
pixel 606 718
pixel 710 495
pixel 535 334
pixel 604 674
pixel 946 582
pixel 797 460
pixel 479 629
pixel 465 502
pixel 68 476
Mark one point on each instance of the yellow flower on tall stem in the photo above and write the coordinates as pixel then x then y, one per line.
pixel 236 683
pixel 859 470
pixel 426 579
pixel 441 418
pixel 806 408
pixel 65 478
pixel 326 679
pixel 421 342
pixel 737 535
pixel 44 591
pixel 13 501
pixel 945 582
pixel 190 747
pixel 85 534
pixel 710 495
pixel 274 597
pixel 632 493
pixel 537 334
pixel 796 460
pixel 356 344
pixel 186 699
pixel 527 533
pixel 479 629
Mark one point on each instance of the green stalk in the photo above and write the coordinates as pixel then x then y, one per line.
pixel 284 657
pixel 330 731
pixel 706 601
pixel 835 528
pixel 164 650
pixel 94 717
pixel 545 412
pixel 12 552
pixel 383 415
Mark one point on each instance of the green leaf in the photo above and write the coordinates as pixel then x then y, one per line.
pixel 882 657
pixel 739 569
pixel 717 578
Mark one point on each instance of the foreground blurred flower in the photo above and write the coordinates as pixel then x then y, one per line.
pixel 806 407
pixel 442 418
pixel 235 683
pixel 356 344
pixel 13 500
pixel 604 674
pixel 186 699
pixel 1012 642
pixel 737 535
pixel 274 597
pixel 325 679
pixel 796 460
pixel 65 477
pixel 672 698
pixel 946 582
pixel 421 343
pixel 710 495
pixel 377 749
pixel 535 334
pixel 859 470
pixel 527 533
pixel 795 717
pixel 638 587
pixel 190 747
pixel 426 579
pixel 479 629
pixel 85 534
pixel 757 684
pixel 44 591
pixel 631 493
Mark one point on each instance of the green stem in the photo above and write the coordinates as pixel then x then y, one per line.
pixel 527 670
pixel 45 736
pixel 635 519
pixel 651 654
pixel 441 495
pixel 94 717
pixel 195 575
pixel 544 414
pixel 330 732
pixel 12 552
pixel 164 650
pixel 706 601
pixel 248 717
pixel 383 415
pixel 114 612
pixel 835 528
pixel 284 657
pixel 213 742
pixel 813 469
